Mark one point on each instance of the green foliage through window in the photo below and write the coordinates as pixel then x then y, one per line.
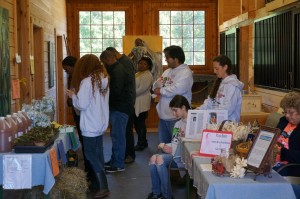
pixel 185 29
pixel 99 30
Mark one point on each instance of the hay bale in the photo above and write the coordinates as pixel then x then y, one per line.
pixel 71 184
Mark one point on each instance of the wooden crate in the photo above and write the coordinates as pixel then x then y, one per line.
pixel 261 117
pixel 251 103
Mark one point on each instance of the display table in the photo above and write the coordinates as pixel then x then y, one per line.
pixel 210 186
pixel 41 164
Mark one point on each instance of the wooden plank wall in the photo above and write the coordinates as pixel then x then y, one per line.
pixel 23 15
pixel 243 16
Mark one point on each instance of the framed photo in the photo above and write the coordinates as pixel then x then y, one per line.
pixel 261 149
pixel 51 63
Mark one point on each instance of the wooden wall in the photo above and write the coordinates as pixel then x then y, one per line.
pixel 25 16
pixel 242 14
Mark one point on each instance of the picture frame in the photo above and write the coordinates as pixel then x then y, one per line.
pixel 258 158
pixel 51 64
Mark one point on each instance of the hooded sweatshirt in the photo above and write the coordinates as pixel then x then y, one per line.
pixel 174 81
pixel 94 109
pixel 229 97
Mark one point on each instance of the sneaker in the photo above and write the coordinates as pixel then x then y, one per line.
pixel 128 160
pixel 107 164
pixel 113 169
pixel 154 196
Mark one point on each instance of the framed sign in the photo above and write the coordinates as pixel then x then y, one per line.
pixel 259 153
pixel 213 141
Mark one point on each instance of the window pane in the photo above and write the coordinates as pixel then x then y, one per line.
pixel 199 17
pixel 85 45
pixel 189 58
pixel 166 43
pixel 108 18
pixel 84 31
pixel 176 17
pixel 188 31
pixel 84 17
pixel 96 18
pixel 187 17
pixel 177 42
pixel 176 31
pixel 96 31
pixel 108 42
pixel 119 17
pixel 199 31
pixel 199 44
pixel 119 31
pixel 187 45
pixel 164 30
pixel 199 58
pixel 164 17
pixel 96 45
pixel 119 45
pixel 108 32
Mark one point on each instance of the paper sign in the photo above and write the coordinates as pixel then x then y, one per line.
pixel 15 86
pixel 197 120
pixel 17 171
pixel 213 141
pixel 54 162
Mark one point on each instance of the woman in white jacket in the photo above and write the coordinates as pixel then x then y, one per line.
pixel 143 82
pixel 90 97
pixel 226 93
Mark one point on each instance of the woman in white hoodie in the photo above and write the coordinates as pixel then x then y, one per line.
pixel 226 93
pixel 90 97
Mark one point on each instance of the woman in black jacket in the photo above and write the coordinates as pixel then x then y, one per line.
pixel 289 139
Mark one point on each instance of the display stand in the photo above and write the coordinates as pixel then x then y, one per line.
pixel 261 152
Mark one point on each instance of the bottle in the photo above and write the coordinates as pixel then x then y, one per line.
pixel 24 120
pixel 29 122
pixel 5 136
pixel 19 124
pixel 14 126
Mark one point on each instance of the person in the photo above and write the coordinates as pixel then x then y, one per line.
pixel 143 80
pixel 68 64
pixel 90 96
pixel 289 139
pixel 159 163
pixel 140 50
pixel 121 100
pixel 226 92
pixel 127 63
pixel 176 80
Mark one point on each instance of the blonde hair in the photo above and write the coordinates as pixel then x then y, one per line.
pixel 88 65
pixel 291 100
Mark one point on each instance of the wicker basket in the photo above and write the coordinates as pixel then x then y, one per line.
pixel 242 149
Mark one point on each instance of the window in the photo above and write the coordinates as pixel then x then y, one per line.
pixel 185 29
pixel 100 29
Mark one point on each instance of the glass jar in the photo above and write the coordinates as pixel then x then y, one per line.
pixel 228 158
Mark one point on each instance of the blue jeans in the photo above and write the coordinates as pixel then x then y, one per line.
pixel 93 151
pixel 296 188
pixel 160 176
pixel 118 121
pixel 165 128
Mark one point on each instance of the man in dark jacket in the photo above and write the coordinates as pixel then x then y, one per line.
pixel 128 64
pixel 121 100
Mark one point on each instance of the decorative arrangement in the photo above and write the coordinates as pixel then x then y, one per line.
pixel 239 170
pixel 41 112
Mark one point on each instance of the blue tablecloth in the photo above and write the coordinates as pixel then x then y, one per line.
pixel 211 186
pixel 41 164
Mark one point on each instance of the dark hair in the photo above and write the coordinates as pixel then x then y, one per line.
pixel 148 60
pixel 179 101
pixel 112 49
pixel 175 52
pixel 69 61
pixel 107 54
pixel 222 60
